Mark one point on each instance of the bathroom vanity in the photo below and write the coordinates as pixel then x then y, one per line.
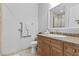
pixel 57 45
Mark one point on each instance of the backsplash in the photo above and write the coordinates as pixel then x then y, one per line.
pixel 66 31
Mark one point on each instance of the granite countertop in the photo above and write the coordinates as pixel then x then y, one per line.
pixel 64 38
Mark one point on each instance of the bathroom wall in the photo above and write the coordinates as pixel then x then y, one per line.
pixel 13 14
pixel 43 17
pixel 34 15
pixel 0 28
pixel 65 30
pixel 74 15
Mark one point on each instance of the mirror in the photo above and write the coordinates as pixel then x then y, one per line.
pixel 58 20
pixel 57 15
pixel 64 15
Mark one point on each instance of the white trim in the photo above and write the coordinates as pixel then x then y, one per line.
pixel 66 28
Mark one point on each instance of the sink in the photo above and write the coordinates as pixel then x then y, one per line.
pixel 56 35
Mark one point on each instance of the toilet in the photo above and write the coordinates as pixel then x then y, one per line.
pixel 33 45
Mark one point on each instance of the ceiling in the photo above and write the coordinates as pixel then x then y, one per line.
pixel 60 9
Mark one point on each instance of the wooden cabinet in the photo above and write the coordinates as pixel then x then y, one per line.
pixel 53 47
pixel 40 46
pixel 49 47
pixel 57 43
pixel 68 49
pixel 56 52
pixel 43 46
pixel 71 49
pixel 39 51
pixel 56 47
pixel 77 51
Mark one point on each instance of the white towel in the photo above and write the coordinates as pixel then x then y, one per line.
pixel 25 30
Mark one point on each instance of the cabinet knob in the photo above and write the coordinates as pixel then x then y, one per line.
pixel 74 50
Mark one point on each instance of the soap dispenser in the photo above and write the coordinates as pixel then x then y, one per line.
pixel 47 32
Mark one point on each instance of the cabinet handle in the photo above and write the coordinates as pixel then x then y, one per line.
pixel 74 50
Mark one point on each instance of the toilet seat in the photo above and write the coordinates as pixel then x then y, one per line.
pixel 34 42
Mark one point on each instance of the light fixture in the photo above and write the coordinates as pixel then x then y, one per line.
pixel 61 11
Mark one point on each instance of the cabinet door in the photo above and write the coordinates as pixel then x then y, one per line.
pixel 40 51
pixel 56 52
pixel 40 46
pixel 76 53
pixel 47 49
pixel 69 49
pixel 43 46
pixel 56 47
pixel 56 43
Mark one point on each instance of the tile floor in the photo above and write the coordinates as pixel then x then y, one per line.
pixel 27 52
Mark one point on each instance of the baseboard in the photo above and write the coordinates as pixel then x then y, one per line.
pixel 10 54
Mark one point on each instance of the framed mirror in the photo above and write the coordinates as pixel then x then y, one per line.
pixel 57 16
pixel 64 15
pixel 58 21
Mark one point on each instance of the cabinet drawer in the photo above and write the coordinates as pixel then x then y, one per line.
pixel 77 50
pixel 42 40
pixel 69 48
pixel 56 43
pixel 47 41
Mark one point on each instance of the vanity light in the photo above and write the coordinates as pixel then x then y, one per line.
pixel 61 11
